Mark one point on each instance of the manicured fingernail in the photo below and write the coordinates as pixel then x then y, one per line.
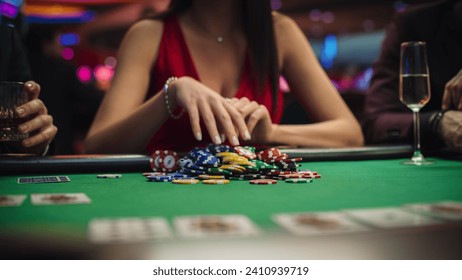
pixel 247 135
pixel 234 141
pixel 217 140
pixel 223 137
pixel 29 85
pixel 199 136
pixel 20 111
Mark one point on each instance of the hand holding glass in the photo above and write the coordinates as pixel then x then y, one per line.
pixel 414 89
pixel 12 95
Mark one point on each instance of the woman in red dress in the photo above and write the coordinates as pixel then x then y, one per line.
pixel 207 71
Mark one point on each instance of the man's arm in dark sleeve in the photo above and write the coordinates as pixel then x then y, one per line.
pixel 386 119
pixel 13 65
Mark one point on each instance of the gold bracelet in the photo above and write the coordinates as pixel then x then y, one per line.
pixel 167 104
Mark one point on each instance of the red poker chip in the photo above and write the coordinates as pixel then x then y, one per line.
pixel 268 153
pixel 276 158
pixel 292 176
pixel 245 152
pixel 154 163
pixel 307 172
pixel 271 150
pixel 155 160
pixel 278 172
pixel 312 176
pixel 166 160
pixel 263 182
pixel 293 159
pixel 276 178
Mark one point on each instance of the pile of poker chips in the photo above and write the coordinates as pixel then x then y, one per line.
pixel 218 164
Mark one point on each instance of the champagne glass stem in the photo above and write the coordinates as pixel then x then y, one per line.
pixel 417 156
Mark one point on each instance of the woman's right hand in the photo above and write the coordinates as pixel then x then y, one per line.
pixel 202 103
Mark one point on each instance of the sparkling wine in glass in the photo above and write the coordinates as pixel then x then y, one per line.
pixel 414 89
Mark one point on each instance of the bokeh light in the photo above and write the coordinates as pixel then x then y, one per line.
pixel 84 74
pixel 328 17
pixel 315 15
pixel 103 73
pixel 110 61
pixel 69 39
pixel 67 53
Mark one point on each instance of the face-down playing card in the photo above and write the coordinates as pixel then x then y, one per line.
pixel 215 226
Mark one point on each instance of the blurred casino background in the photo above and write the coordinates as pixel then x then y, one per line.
pixel 345 34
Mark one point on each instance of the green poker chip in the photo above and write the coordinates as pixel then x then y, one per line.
pixel 298 180
pixel 219 171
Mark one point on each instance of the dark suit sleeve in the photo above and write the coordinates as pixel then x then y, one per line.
pixel 13 64
pixel 13 60
pixel 386 119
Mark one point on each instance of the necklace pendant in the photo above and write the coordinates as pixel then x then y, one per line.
pixel 220 39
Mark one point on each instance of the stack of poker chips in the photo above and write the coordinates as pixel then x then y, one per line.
pixel 164 161
pixel 218 164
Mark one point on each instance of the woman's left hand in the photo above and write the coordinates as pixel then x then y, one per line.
pixel 257 118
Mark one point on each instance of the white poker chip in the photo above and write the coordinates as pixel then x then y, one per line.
pixel 109 176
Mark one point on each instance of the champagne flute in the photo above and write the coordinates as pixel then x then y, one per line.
pixel 414 89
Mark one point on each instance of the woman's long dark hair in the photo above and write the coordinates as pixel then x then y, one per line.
pixel 259 32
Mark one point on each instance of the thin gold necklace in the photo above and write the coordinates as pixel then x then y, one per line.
pixel 218 38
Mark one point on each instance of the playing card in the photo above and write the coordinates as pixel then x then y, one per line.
pixel 128 230
pixel 11 200
pixel 317 223
pixel 43 179
pixel 215 226
pixel 390 217
pixel 59 198
pixel 447 210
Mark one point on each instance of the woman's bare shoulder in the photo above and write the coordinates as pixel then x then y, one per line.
pixel 146 28
pixel 287 33
pixel 283 23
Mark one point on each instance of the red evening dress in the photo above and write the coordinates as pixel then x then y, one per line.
pixel 174 59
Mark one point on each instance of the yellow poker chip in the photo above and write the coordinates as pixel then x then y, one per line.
pixel 207 176
pixel 236 161
pixel 224 166
pixel 227 154
pixel 185 181
pixel 216 182
pixel 234 158
pixel 233 168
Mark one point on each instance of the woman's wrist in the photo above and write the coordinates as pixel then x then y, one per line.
pixel 169 92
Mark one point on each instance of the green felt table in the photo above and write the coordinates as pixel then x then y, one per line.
pixel 344 185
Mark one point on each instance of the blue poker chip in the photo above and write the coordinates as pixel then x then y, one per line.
pixel 197 152
pixel 185 161
pixel 192 171
pixel 164 178
pixel 179 175
pixel 207 160
pixel 214 149
pixel 196 167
